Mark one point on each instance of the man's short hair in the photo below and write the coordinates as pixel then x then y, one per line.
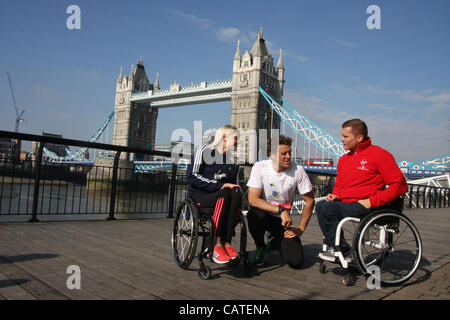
pixel 358 127
pixel 281 140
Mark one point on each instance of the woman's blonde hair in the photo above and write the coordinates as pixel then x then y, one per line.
pixel 225 130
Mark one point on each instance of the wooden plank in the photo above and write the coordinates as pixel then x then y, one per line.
pixel 28 282
pixel 162 266
pixel 92 280
pixel 10 290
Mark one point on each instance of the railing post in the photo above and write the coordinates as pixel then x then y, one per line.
pixel 112 203
pixel 172 190
pixel 435 197
pixel 424 202
pixel 430 196
pixel 411 186
pixel 447 198
pixel 36 183
pixel 418 197
pixel 440 196
pixel 444 196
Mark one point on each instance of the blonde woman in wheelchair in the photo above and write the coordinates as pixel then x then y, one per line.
pixel 212 178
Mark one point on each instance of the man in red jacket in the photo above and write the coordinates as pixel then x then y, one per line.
pixel 367 177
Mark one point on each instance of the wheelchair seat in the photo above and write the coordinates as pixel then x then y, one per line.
pixel 204 210
pixel 393 206
pixel 396 205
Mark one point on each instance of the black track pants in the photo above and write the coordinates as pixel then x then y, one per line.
pixel 291 249
pixel 226 204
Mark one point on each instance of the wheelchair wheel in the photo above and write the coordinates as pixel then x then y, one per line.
pixel 204 272
pixel 390 241
pixel 185 234
pixel 245 204
pixel 241 232
pixel 239 240
pixel 322 267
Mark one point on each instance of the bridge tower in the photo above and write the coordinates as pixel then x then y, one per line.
pixel 249 111
pixel 134 123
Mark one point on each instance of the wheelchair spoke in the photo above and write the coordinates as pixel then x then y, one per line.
pixel 400 234
pixel 396 244
pixel 182 251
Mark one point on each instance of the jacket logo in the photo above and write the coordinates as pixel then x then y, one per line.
pixel 363 165
pixel 219 175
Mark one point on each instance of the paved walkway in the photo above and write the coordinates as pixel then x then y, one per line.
pixel 435 286
pixel 133 260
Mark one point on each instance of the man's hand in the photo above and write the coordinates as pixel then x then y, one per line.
pixel 365 203
pixel 286 220
pixel 293 232
pixel 332 197
pixel 229 186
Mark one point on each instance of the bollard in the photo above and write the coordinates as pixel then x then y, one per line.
pixel 172 190
pixel 112 202
pixel 37 180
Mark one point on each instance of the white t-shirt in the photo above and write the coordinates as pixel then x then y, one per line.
pixel 279 187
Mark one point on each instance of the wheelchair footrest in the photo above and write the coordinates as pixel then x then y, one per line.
pixel 327 257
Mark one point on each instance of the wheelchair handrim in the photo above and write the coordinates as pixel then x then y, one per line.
pixel 384 253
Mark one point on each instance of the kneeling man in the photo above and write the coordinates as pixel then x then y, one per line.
pixel 272 186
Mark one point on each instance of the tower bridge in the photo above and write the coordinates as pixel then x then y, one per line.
pixel 138 101
pixel 205 92
pixel 256 94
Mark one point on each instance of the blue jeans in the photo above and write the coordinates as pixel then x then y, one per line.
pixel 330 213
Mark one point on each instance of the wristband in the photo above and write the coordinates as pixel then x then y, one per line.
pixel 280 210
pixel 287 206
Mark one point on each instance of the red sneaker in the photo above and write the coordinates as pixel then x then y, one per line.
pixel 231 252
pixel 220 256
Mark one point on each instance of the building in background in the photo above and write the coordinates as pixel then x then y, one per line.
pixel 58 149
pixel 7 149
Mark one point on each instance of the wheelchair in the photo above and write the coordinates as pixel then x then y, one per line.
pixel 385 243
pixel 193 222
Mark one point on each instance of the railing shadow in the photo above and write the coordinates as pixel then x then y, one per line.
pixel 27 257
pixel 12 282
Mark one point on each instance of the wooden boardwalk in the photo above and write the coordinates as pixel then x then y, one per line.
pixel 133 260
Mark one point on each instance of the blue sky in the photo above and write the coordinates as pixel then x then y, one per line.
pixel 396 78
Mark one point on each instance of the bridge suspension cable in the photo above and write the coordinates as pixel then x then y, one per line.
pixel 328 143
pixel 305 127
pixel 77 154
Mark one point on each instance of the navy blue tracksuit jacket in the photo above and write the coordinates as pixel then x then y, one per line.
pixel 206 177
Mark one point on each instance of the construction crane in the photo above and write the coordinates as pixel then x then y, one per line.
pixel 18 116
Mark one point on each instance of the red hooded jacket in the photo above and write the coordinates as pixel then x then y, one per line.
pixel 370 172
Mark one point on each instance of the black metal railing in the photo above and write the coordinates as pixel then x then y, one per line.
pixel 421 196
pixel 112 188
